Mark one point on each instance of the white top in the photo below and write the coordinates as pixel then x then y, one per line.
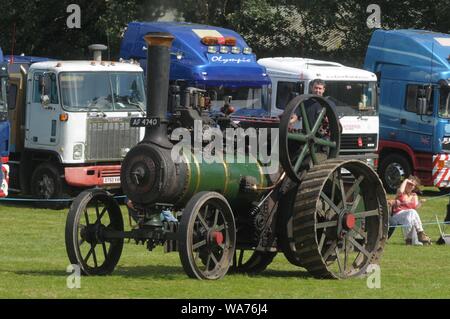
pixel 86 66
pixel 310 69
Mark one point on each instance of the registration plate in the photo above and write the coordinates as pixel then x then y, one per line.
pixel 111 180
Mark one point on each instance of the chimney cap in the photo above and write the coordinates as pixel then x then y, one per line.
pixel 99 47
pixel 159 39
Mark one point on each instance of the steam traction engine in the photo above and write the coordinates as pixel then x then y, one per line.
pixel 326 215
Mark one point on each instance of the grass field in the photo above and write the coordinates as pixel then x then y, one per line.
pixel 33 264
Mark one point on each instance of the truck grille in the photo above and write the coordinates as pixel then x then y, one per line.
pixel 350 141
pixel 108 137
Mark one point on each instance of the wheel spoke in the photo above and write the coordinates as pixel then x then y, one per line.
pixel 323 142
pixel 199 244
pixel 305 119
pixel 318 121
pixel 86 216
pixel 355 203
pixel 88 255
pixel 374 212
pixel 101 215
pixel 341 186
pixel 329 251
pixel 354 187
pixel 94 255
pixel 331 223
pixel 338 258
pixel 214 258
pixel 359 232
pixel 300 158
pixel 96 211
pixel 104 250
pixel 322 241
pixel 241 257
pixel 345 253
pixel 333 186
pixel 207 262
pixel 359 247
pixel 298 137
pixel 220 228
pixel 202 221
pixel 329 202
pixel 216 217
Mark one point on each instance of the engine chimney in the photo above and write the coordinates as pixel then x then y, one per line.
pixel 158 66
pixel 97 51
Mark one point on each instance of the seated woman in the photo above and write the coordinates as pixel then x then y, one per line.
pixel 404 211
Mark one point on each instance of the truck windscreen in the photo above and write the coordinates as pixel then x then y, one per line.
pixel 3 98
pixel 444 102
pixel 103 91
pixel 241 97
pixel 353 98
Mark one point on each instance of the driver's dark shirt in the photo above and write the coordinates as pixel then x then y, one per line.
pixel 313 109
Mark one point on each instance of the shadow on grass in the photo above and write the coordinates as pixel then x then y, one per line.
pixel 283 273
pixel 163 272
pixel 36 205
pixel 151 271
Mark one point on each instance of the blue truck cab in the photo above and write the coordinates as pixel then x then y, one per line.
pixel 214 59
pixel 4 127
pixel 4 124
pixel 413 69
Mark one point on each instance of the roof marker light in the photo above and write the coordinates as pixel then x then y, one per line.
pixel 235 50
pixel 210 40
pixel 212 49
pixel 247 50
pixel 230 41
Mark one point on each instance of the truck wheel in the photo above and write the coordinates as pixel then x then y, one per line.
pixel 46 183
pixel 393 169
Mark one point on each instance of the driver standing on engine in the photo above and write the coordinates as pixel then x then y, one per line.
pixel 313 108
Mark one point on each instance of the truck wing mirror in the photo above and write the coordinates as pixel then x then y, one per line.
pixel 45 84
pixel 422 105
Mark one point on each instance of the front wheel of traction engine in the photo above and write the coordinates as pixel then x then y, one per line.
pixel 207 236
pixel 93 213
pixel 340 219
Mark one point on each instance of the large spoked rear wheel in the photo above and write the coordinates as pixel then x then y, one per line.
pixel 251 261
pixel 305 142
pixel 207 236
pixel 340 219
pixel 93 213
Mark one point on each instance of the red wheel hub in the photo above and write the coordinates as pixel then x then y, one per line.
pixel 217 236
pixel 349 221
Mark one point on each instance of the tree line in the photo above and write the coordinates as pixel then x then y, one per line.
pixel 333 30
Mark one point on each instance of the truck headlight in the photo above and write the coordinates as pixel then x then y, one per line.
pixel 77 151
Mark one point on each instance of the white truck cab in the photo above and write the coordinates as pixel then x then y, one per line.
pixel 354 92
pixel 70 124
